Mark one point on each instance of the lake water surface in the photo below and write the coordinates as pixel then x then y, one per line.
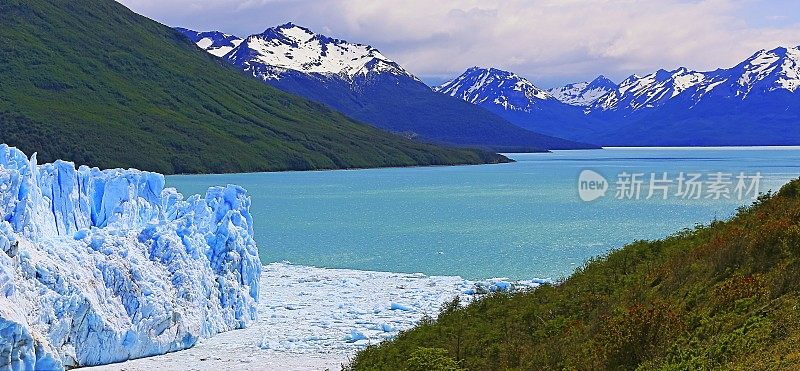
pixel 518 220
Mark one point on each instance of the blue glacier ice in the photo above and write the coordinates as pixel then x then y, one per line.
pixel 102 266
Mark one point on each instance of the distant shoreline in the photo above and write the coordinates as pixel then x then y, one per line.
pixel 754 147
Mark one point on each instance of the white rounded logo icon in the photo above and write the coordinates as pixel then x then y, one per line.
pixel 591 185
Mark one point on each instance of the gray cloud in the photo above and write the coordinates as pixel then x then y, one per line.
pixel 549 41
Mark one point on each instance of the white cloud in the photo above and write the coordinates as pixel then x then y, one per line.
pixel 550 41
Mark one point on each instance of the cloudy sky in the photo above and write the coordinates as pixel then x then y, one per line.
pixel 549 41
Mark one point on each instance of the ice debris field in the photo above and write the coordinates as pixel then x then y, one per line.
pixel 104 266
pixel 317 319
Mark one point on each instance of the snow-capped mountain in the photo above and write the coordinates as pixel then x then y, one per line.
pixel 764 72
pixel 293 48
pixel 516 99
pixel 497 87
pixel 362 83
pixel 490 87
pixel 214 42
pixel 583 94
pixel 651 90
pixel 755 102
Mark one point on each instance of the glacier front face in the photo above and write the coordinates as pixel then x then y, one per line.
pixel 104 266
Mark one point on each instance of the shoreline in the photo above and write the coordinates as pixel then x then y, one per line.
pixel 509 156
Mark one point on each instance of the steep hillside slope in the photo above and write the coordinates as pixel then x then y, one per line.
pixel 92 82
pixel 722 296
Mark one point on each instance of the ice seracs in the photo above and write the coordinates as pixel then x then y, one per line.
pixel 101 266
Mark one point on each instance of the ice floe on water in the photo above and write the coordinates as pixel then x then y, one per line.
pixel 316 318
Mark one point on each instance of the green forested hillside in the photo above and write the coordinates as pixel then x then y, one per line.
pixel 722 296
pixel 92 82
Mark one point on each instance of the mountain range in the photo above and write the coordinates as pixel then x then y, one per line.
pixel 362 83
pixel 92 82
pixel 752 103
pixel 755 102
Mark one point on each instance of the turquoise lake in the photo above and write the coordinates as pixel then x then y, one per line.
pixel 519 220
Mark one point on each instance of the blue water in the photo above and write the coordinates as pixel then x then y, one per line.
pixel 518 220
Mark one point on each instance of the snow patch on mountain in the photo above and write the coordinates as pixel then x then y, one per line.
pixel 289 47
pixel 103 266
pixel 651 90
pixel 479 85
pixel 214 42
pixel 583 94
pixel 768 70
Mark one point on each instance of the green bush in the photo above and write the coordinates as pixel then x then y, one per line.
pixel 431 359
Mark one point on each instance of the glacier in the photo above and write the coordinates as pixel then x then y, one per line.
pixel 102 266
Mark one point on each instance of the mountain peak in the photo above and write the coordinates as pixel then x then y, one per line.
pixel 781 51
pixel 288 30
pixel 487 84
pixel 583 93
pixel 768 70
pixel 487 70
pixel 289 47
pixel 602 82
pixel 601 79
pixel 663 74
pixel 289 24
pixel 764 56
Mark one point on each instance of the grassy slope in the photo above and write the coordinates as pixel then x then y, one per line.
pixel 92 82
pixel 725 295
